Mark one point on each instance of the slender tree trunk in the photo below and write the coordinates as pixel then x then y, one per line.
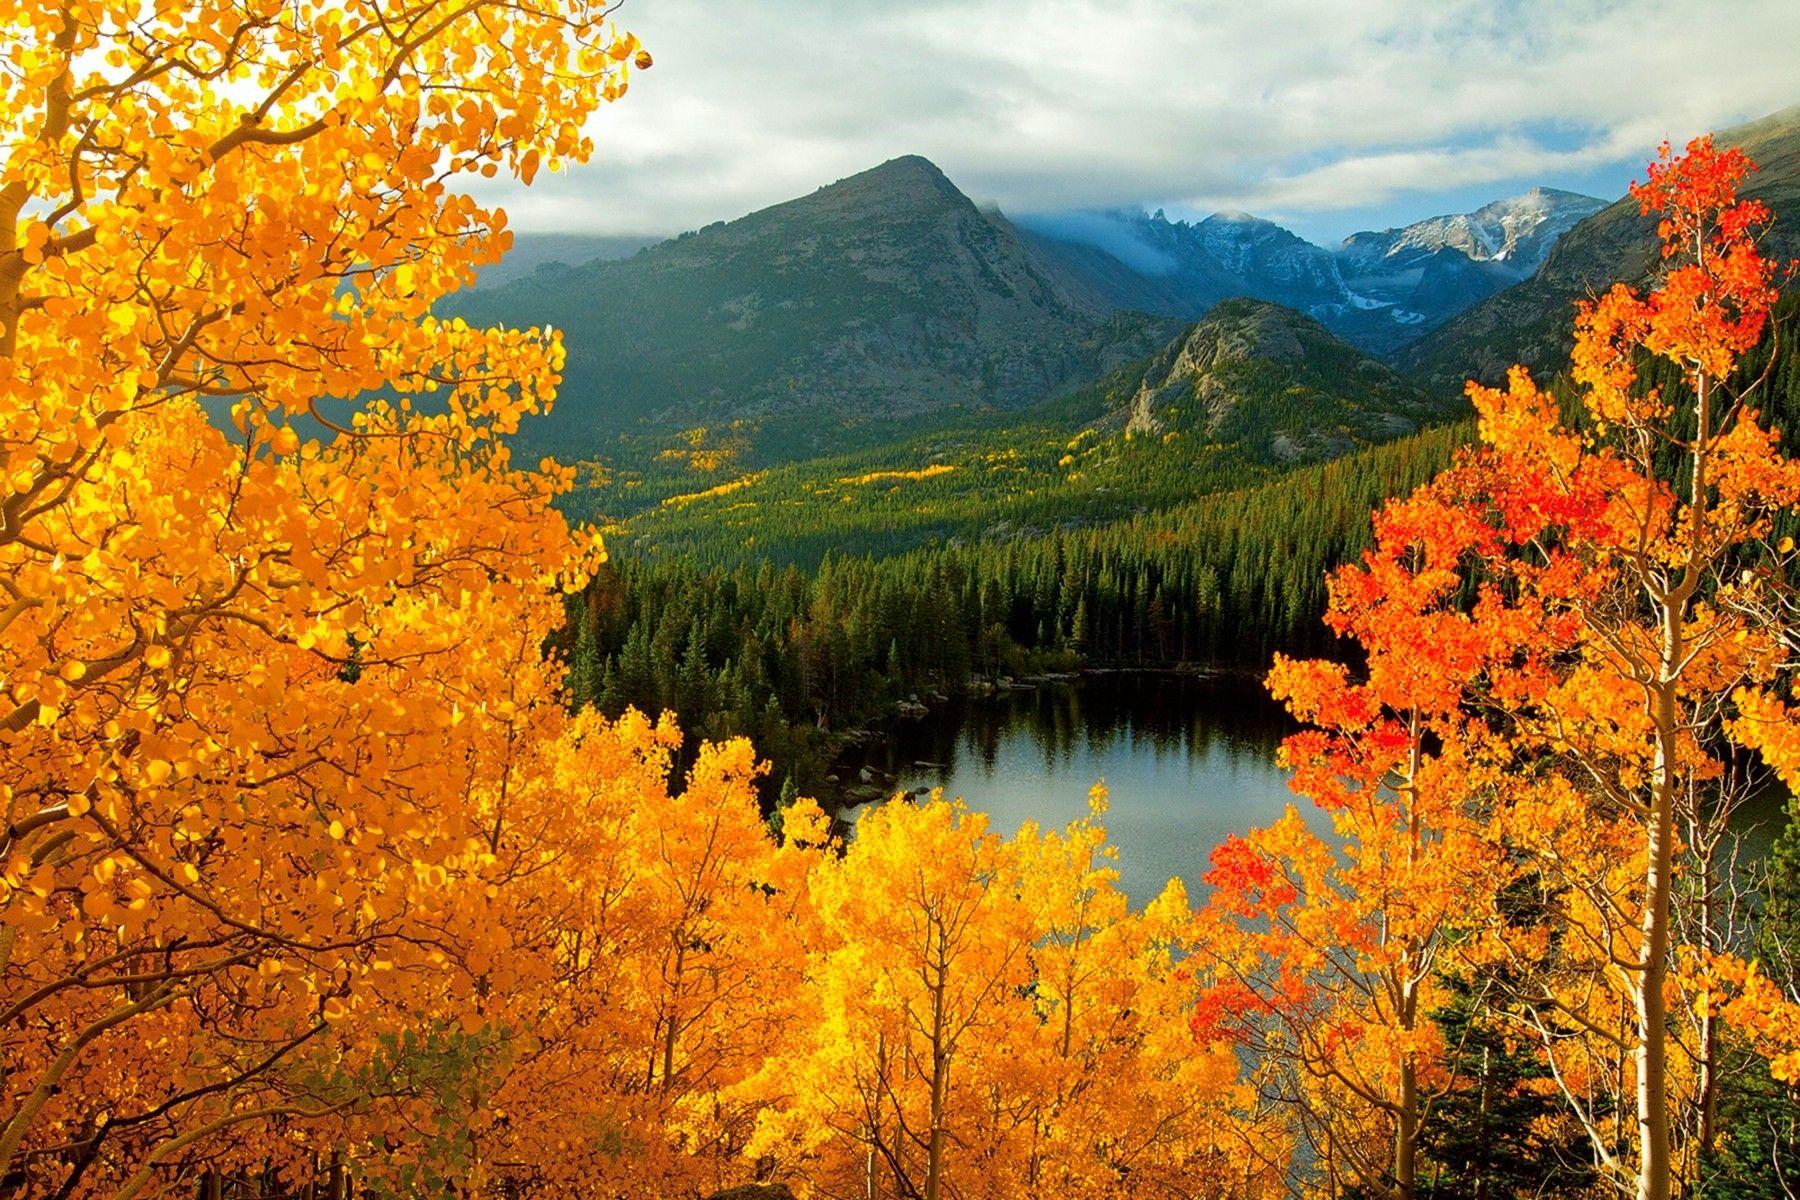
pixel 940 1087
pixel 934 1152
pixel 1651 1052
pixel 1481 1118
pixel 1406 1139
pixel 1406 1127
pixel 872 1168
pixel 672 1029
pixel 1707 1123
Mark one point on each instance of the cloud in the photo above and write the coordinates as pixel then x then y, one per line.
pixel 1312 110
pixel 1108 231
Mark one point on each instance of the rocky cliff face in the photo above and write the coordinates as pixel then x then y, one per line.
pixel 1275 385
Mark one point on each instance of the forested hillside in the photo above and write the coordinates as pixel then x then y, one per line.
pixel 792 657
pixel 1243 394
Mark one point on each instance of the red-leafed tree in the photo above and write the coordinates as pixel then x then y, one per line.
pixel 1567 640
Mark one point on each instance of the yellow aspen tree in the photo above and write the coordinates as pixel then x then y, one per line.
pixel 257 687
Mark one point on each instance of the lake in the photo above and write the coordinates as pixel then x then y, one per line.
pixel 1188 760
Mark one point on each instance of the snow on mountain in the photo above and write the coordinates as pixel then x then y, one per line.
pixel 1380 289
pixel 1517 231
pixel 1262 252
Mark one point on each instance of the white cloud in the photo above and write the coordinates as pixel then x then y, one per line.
pixel 1295 108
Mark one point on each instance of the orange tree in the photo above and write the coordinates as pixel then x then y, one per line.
pixel 1628 657
pixel 264 702
pixel 1322 955
pixel 1596 611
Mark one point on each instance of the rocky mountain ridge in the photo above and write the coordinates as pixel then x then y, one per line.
pixel 1380 289
pixel 1531 321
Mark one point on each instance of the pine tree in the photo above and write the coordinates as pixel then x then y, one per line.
pixel 1493 1133
pixel 1759 1150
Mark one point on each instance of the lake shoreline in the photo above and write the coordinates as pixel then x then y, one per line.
pixel 848 793
pixel 1188 757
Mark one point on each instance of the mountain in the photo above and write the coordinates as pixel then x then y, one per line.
pixel 1443 265
pixel 1132 260
pixel 1274 386
pixel 1517 233
pixel 1276 264
pixel 878 298
pixel 1530 322
pixel 1379 290
pixel 1145 261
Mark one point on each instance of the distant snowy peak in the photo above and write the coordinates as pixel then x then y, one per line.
pixel 1379 289
pixel 1518 231
pixel 1262 251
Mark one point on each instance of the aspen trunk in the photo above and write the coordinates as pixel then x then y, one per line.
pixel 1707 1131
pixel 1651 1054
pixel 1652 1025
pixel 934 1152
pixel 1406 1127
pixel 940 1086
pixel 1406 1138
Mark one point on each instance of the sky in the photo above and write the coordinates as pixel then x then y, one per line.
pixel 1328 116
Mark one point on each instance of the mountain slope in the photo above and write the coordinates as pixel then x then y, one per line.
pixel 885 295
pixel 1181 269
pixel 554 253
pixel 1438 267
pixel 1518 231
pixel 1530 322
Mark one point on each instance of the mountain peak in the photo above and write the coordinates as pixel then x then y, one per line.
pixel 906 166
pixel 1235 216
pixel 910 175
pixel 1529 321
pixel 1513 234
pixel 886 294
pixel 1275 384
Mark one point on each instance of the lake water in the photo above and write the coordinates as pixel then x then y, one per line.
pixel 1188 761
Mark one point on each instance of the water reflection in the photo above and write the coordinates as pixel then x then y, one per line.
pixel 1187 760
